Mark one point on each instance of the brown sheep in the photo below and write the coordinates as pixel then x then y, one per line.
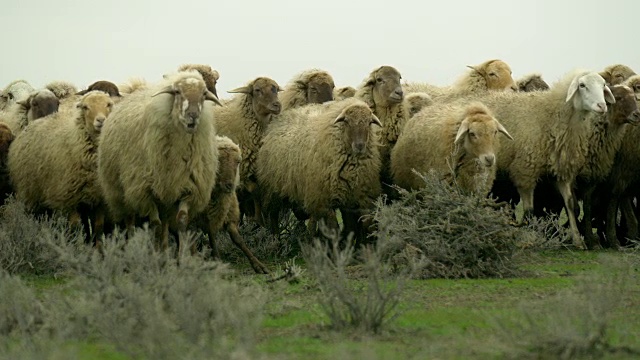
pixel 344 92
pixel 104 86
pixel 457 141
pixel 244 120
pixel 313 86
pixel 616 74
pixel 414 102
pixel 209 75
pixel 223 211
pixel 532 82
pixel 6 137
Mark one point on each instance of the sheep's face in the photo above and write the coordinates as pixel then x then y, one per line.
pixel 104 86
pixel 356 121
pixel 387 89
pixel 416 101
pixel 209 75
pixel 319 88
pixel 634 83
pixel 616 74
pixel 264 96
pixel 590 93
pixel 40 104
pixel 6 137
pixel 477 135
pixel 18 91
pixel 95 108
pixel 344 93
pixel 625 109
pixel 228 168
pixel 189 95
pixel 534 84
pixel 497 75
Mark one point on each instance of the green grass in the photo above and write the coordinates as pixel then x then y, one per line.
pixel 437 319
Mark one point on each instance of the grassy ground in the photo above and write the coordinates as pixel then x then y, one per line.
pixel 443 319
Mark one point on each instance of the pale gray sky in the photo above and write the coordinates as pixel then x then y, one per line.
pixel 84 40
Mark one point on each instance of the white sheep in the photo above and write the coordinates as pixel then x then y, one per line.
pixel 15 91
pixel 38 104
pixel 53 162
pixel 157 153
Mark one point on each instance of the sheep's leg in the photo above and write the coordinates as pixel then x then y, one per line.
pixel 274 221
pixel 234 234
pixel 569 204
pixel 157 226
pixel 587 203
pixel 98 227
pixel 182 219
pixel 212 231
pixel 626 206
pixel 85 218
pixel 75 220
pixel 130 224
pixel 526 196
pixel 611 237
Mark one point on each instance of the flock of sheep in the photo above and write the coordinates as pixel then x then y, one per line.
pixel 173 154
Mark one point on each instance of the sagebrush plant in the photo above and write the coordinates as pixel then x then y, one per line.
pixel 25 239
pixel 576 323
pixel 21 312
pixel 362 304
pixel 453 234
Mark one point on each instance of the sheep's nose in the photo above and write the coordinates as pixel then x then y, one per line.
pixel 358 147
pixel 101 119
pixel 489 159
pixel 192 115
pixel 602 107
pixel 398 92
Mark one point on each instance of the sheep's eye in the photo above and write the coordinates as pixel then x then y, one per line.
pixel 10 96
pixel 619 76
pixel 109 105
pixel 493 74
pixel 257 91
pixel 380 80
pixel 583 85
pixel 473 135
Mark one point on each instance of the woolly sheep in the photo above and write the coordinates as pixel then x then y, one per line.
pixel 491 75
pixel 157 154
pixel 132 85
pixel 223 212
pixel 105 86
pixel 6 138
pixel 209 75
pixel 414 102
pixel 382 91
pixel 531 82
pixel 458 142
pixel 39 104
pixel 15 91
pixel 551 131
pixel 323 160
pixel 53 162
pixel 313 86
pixel 244 120
pixel 344 92
pixel 62 89
pixel 616 74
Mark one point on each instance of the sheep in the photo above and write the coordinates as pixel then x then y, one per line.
pixel 344 92
pixel 491 75
pixel 156 154
pixel 52 163
pixel 616 74
pixel 458 142
pixel 551 131
pixel 62 89
pixel 322 160
pixel 223 211
pixel 414 102
pixel 244 119
pixel 132 85
pixel 15 91
pixel 209 75
pixel 6 138
pixel 531 82
pixel 382 91
pixel 313 86
pixel 102 85
pixel 38 105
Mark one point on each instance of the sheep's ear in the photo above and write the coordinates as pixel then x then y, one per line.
pixel 79 105
pixel 464 127
pixel 82 92
pixel 301 84
pixel 573 87
pixel 26 103
pixel 503 130
pixel 608 95
pixel 475 69
pixel 375 120
pixel 211 96
pixel 242 90
pixel 280 89
pixel 166 90
pixel 341 117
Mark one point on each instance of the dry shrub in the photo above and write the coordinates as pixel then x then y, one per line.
pixel 358 304
pixel 576 323
pixel 20 310
pixel 24 240
pixel 453 234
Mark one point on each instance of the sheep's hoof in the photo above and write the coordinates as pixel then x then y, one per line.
pixel 259 267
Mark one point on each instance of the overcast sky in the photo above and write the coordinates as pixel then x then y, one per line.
pixel 84 40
